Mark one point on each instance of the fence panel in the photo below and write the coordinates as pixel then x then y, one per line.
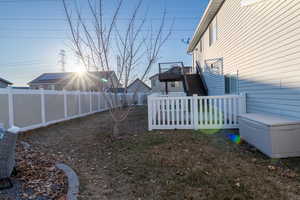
pixel 30 109
pixel 212 112
pixel 4 111
pixel 170 113
pixel 72 104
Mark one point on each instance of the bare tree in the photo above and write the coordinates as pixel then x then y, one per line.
pixel 100 40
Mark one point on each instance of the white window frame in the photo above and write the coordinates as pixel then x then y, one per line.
pixel 213 31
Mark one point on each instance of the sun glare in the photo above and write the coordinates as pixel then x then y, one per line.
pixel 79 70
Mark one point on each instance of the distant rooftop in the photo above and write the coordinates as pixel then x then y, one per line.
pixel 65 76
pixel 5 81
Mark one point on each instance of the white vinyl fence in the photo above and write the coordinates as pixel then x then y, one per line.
pixel 30 109
pixel 212 112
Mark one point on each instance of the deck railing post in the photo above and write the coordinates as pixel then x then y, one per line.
pixel 10 107
pixel 195 111
pixel 150 107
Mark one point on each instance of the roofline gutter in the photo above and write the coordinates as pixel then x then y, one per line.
pixel 203 25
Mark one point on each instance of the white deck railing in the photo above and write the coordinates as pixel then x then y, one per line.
pixel 195 112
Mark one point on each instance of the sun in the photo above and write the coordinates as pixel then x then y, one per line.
pixel 79 70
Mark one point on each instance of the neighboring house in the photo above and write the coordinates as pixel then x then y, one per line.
pixel 117 90
pixel 252 47
pixel 173 86
pixel 96 81
pixel 21 88
pixel 160 87
pixel 4 83
pixel 138 86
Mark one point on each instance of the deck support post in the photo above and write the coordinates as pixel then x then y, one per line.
pixel 166 86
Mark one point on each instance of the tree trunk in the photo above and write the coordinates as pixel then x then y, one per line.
pixel 116 131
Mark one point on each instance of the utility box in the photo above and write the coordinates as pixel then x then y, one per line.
pixel 7 152
pixel 275 136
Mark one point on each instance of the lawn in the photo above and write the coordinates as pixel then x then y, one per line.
pixel 163 164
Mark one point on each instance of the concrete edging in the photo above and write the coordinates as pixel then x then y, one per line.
pixel 73 181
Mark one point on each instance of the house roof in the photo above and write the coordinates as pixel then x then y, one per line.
pixel 21 88
pixel 209 14
pixel 5 81
pixel 139 80
pixel 66 76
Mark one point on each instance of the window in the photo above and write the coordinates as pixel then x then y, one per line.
pixel 231 84
pixel 213 31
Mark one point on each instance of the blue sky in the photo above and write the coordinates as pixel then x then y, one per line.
pixel 32 32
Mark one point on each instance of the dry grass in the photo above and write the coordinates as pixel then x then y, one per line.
pixel 164 165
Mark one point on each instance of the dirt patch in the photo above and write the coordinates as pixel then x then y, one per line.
pixel 163 165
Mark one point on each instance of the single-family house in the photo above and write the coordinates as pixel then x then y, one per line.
pixel 253 47
pixel 95 81
pixel 174 77
pixel 159 87
pixel 138 86
pixel 4 83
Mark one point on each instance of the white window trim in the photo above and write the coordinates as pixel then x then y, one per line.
pixel 213 31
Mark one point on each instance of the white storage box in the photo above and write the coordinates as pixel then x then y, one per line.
pixel 275 136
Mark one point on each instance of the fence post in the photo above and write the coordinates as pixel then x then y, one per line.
pixel 79 103
pixel 195 111
pixel 150 107
pixel 242 103
pixel 98 95
pixel 91 102
pixel 65 104
pixel 10 107
pixel 43 112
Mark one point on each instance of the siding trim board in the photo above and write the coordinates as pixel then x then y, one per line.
pixel 262 42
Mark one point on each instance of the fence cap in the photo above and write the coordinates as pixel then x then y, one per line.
pixel 14 130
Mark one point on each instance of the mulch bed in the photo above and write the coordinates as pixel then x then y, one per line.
pixel 37 177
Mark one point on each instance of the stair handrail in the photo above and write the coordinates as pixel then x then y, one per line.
pixel 184 78
pixel 200 73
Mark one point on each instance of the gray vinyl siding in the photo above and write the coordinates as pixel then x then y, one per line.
pixel 262 43
pixel 215 83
